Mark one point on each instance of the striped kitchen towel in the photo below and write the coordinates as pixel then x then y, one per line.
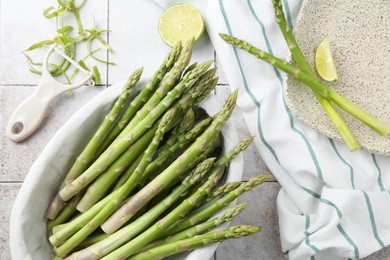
pixel 333 204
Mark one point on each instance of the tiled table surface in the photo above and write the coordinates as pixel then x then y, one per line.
pixel 22 23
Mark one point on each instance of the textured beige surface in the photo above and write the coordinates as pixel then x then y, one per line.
pixel 358 32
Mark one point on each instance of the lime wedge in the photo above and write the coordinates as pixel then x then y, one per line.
pixel 180 22
pixel 325 65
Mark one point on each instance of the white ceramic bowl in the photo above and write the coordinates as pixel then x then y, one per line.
pixel 28 238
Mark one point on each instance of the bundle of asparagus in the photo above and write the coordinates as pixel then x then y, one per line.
pixel 147 183
pixel 325 95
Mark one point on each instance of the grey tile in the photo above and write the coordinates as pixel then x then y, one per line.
pixel 17 158
pixel 8 192
pixel 221 74
pixel 383 254
pixel 147 49
pixel 261 211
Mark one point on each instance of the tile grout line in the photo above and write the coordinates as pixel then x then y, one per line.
pixel 267 181
pixel 108 41
pixel 0 24
pixel 17 85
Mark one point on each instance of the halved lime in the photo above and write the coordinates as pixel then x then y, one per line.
pixel 325 65
pixel 180 22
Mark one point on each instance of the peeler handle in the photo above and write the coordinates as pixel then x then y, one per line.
pixel 30 113
pixel 27 117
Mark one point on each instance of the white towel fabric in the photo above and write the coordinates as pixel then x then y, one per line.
pixel 333 204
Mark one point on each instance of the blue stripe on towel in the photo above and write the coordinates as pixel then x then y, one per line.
pixel 339 227
pixel 288 13
pixel 349 240
pixel 372 220
pixel 380 183
pixel 345 162
pixel 307 234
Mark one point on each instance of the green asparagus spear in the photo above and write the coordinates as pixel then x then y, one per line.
pixel 222 190
pixel 241 146
pixel 85 158
pixel 66 212
pixel 126 175
pixel 200 90
pixel 190 67
pixel 317 86
pixel 300 60
pixel 187 160
pixel 89 241
pixel 195 242
pixel 198 100
pixel 64 231
pixel 185 124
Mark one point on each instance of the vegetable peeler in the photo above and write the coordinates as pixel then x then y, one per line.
pixel 29 114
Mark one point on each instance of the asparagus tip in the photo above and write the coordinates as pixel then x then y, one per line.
pixel 246 142
pixel 178 45
pixel 226 188
pixel 224 36
pixel 257 180
pixel 236 210
pixel 189 43
pixel 244 230
pixel 206 64
pixel 200 171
